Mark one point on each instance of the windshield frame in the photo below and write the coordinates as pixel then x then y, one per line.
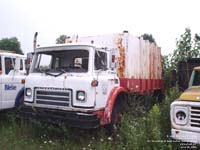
pixel 61 49
pixel 191 82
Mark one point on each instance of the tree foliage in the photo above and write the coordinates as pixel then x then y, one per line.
pixel 196 47
pixel 11 44
pixel 186 47
pixel 148 37
pixel 61 39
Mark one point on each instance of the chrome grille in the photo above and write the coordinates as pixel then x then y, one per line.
pixel 195 116
pixel 53 96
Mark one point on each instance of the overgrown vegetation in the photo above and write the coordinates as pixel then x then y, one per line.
pixel 187 47
pixel 148 131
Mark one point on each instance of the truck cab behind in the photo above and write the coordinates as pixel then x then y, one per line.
pixel 12 71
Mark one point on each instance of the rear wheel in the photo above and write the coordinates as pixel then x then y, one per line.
pixel 158 95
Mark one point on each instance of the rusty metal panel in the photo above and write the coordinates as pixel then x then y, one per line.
pixel 138 59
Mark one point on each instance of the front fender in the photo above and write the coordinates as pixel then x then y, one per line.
pixel 107 117
pixel 19 94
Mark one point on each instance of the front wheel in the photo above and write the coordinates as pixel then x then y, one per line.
pixel 20 103
pixel 114 126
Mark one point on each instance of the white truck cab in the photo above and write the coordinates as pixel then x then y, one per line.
pixel 185 112
pixel 12 71
pixel 72 79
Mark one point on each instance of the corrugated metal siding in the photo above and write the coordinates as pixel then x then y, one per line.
pixel 138 59
pixel 143 60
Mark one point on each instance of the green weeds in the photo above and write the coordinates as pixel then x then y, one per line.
pixel 148 131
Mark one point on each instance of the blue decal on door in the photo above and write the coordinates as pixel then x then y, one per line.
pixel 10 87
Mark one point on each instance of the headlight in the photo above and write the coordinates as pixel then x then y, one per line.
pixel 81 95
pixel 28 92
pixel 181 115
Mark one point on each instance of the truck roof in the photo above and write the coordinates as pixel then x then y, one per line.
pixel 4 53
pixel 64 46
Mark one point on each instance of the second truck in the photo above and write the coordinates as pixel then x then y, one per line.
pixel 185 112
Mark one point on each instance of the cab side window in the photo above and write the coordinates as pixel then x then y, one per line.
pixel 21 64
pixel 100 60
pixel 9 65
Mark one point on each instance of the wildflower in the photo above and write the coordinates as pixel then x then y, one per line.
pixel 50 141
pixel 110 138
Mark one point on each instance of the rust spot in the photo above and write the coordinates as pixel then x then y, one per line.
pixel 121 58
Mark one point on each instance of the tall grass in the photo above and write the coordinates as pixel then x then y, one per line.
pixel 151 131
pixel 148 131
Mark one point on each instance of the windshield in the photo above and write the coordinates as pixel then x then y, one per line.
pixel 195 78
pixel 62 61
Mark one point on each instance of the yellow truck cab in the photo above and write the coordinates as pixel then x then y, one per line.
pixel 185 112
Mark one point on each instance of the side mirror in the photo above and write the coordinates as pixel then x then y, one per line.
pixel 29 61
pixel 113 62
pixel 113 57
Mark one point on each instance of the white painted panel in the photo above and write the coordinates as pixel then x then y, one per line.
pixel 142 59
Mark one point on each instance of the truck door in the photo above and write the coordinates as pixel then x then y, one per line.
pixel 105 79
pixel 11 83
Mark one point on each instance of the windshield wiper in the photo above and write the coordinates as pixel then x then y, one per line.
pixel 55 75
pixel 47 72
pixel 39 70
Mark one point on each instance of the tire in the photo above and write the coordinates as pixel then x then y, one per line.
pixel 21 102
pixel 114 126
pixel 159 97
pixel 18 108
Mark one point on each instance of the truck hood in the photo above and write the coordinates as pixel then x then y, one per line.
pixel 191 94
pixel 70 82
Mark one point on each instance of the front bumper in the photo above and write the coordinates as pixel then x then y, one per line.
pixel 74 119
pixel 186 136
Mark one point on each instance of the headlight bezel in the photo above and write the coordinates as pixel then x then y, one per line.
pixel 28 92
pixel 81 96
pixel 178 110
pixel 28 95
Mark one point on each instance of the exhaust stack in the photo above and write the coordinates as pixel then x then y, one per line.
pixel 35 41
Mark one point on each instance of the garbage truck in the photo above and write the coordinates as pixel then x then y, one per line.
pixel 82 83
